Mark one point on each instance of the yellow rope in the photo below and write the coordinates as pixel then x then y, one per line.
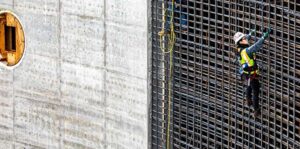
pixel 169 100
pixel 171 43
pixel 171 35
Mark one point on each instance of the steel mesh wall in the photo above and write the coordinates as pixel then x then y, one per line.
pixel 208 109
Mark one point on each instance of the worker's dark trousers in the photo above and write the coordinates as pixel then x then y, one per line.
pixel 253 89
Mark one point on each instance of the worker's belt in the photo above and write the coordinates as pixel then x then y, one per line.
pixel 251 74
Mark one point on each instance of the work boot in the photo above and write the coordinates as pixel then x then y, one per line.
pixel 257 113
pixel 249 102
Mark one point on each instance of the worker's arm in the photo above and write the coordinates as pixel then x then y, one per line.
pixel 255 47
pixel 248 36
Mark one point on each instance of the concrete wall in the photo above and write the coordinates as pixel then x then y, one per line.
pixel 83 80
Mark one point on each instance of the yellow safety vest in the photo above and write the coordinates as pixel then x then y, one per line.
pixel 245 59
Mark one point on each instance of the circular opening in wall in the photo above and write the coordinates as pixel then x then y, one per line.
pixel 12 40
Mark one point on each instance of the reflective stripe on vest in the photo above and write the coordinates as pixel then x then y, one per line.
pixel 252 72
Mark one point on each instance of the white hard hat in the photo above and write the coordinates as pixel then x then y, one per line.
pixel 238 36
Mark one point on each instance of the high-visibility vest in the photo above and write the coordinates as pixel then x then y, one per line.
pixel 248 63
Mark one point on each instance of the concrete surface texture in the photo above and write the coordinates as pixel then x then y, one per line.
pixel 83 80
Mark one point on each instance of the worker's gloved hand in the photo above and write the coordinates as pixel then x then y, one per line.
pixel 252 31
pixel 266 34
pixel 241 72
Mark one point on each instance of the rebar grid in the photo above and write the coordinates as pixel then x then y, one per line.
pixel 208 109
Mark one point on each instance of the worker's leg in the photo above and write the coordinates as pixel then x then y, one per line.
pixel 255 89
pixel 248 95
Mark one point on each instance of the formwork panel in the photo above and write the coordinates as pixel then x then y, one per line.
pixel 200 81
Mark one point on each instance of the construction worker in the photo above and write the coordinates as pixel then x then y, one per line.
pixel 249 68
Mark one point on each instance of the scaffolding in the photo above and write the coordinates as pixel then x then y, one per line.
pixel 207 103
